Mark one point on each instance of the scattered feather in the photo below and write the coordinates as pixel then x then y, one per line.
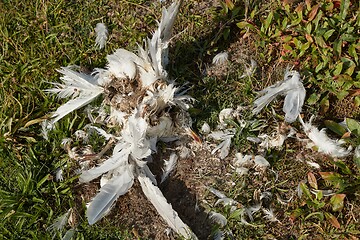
pixel 242 171
pixel 293 90
pixel 226 114
pixel 59 175
pixel 269 215
pixel 205 128
pixel 224 146
pixel 169 166
pixel 249 70
pixel 218 218
pixel 261 162
pixel 81 87
pixel 323 142
pixel 251 210
pixel 217 192
pixel 101 35
pixel 220 58
pixel 69 234
pixel 59 224
pixel 313 164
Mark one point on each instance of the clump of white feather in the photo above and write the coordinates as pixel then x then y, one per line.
pixel 293 90
pixel 158 44
pixel 165 210
pixel 82 88
pixel 323 142
pixel 101 35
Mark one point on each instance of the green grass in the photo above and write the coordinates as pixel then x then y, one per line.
pixel 38 37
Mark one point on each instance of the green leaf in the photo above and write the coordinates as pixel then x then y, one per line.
pixel 338 68
pixel 344 6
pixel 313 98
pixel 357 101
pixel 337 202
pixel 342 94
pixel 320 41
pixel 344 168
pixel 354 126
pixel 318 215
pixel 303 48
pixel 267 22
pixel 337 47
pixel 42 181
pixel 353 53
pixel 328 34
pixel 305 190
pixel 335 127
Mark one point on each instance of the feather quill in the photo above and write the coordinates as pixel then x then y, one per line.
pixel 165 210
pixel 293 90
pixel 115 187
pixel 101 35
pixel 169 166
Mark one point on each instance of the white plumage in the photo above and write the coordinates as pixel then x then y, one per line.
pixel 165 210
pixel 115 187
pixel 169 166
pixel 101 35
pixel 293 90
pixel 81 87
pixel 323 142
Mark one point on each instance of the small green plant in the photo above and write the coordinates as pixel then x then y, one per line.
pixel 322 39
pixel 318 204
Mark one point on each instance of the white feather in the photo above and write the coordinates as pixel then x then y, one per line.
pixel 169 166
pixel 81 87
pixel 218 218
pixel 220 58
pixel 115 187
pixel 269 215
pixel 165 210
pixel 59 223
pixel 224 146
pixel 293 90
pixel 158 44
pixel 123 64
pixel 323 142
pixel 101 35
pixel 118 159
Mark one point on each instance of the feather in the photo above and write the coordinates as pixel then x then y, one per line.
pixel 158 44
pixel 81 87
pixel 115 187
pixel 218 218
pixel 69 234
pixel 249 70
pixel 165 210
pixel 101 35
pixel 123 64
pixel 269 215
pixel 220 58
pixel 118 159
pixel 169 166
pixel 323 142
pixel 59 223
pixel 224 146
pixel 293 90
